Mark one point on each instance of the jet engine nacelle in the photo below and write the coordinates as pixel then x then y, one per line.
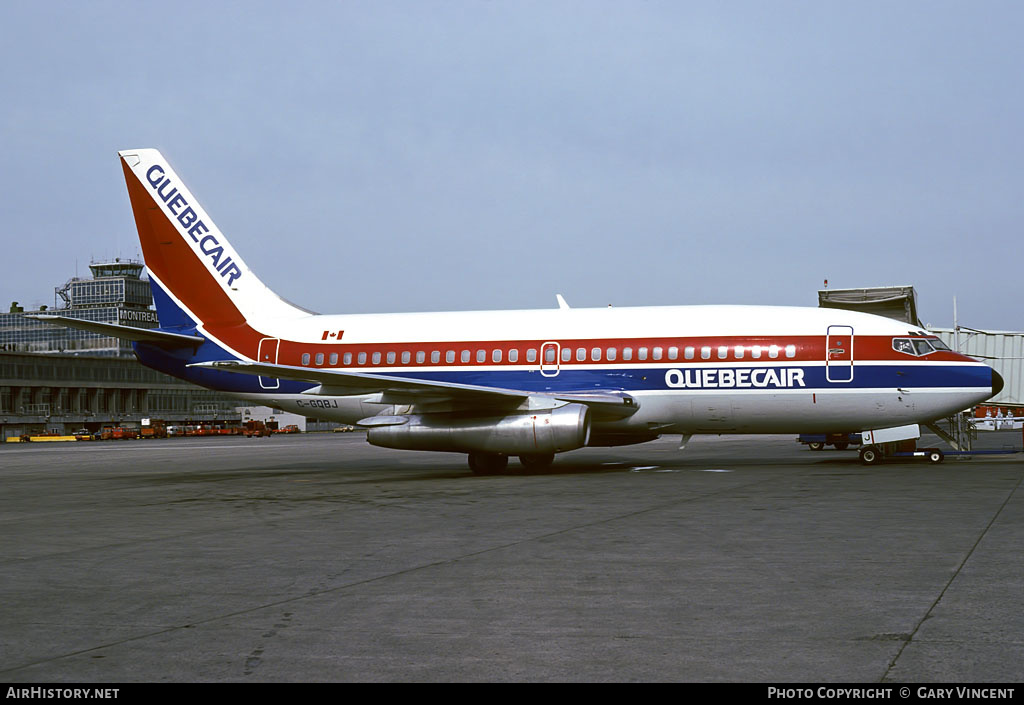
pixel 540 432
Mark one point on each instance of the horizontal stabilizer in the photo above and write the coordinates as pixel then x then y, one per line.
pixel 139 335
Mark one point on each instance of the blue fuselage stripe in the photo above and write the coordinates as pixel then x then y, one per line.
pixel 723 379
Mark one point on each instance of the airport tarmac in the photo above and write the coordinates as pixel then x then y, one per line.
pixel 320 558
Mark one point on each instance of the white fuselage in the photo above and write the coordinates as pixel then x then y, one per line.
pixel 769 368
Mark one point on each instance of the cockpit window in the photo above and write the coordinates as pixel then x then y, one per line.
pixel 917 346
pixel 903 345
pixel 923 348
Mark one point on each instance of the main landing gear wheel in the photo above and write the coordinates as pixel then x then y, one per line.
pixel 487 463
pixel 538 461
pixel 870 455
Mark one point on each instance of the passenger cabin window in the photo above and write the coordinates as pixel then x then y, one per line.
pixel 421 356
pixel 549 354
pixel 465 356
pixel 333 360
pixel 346 359
pixel 362 358
pixel 496 356
pixel 481 356
pixel 305 358
pixel 319 358
pixel 581 354
pixel 595 354
pixel 641 354
pixel 723 352
pixel 391 358
pixel 376 358
pixel 705 352
pixel 566 354
pixel 435 356
pixel 531 355
pixel 755 352
pixel 790 351
pixel 738 352
pixel 673 353
pixel 513 355
pixel 627 354
pixel 611 354
pixel 688 353
pixel 449 357
pixel 656 353
pixel 773 351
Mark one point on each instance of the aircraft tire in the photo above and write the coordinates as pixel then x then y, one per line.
pixel 487 463
pixel 538 461
pixel 870 455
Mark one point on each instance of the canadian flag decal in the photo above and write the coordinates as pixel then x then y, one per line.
pixel 333 334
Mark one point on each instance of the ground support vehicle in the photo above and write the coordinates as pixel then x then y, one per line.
pixel 841 441
pixel 875 454
pixel 896 442
pixel 901 444
pixel 256 429
pixel 154 429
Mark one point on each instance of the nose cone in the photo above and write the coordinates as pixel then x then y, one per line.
pixel 997 383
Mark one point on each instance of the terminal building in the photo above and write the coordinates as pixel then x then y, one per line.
pixel 60 380
pixel 116 293
pixel 59 393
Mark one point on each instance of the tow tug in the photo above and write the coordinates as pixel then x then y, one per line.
pixel 901 443
pixel 898 442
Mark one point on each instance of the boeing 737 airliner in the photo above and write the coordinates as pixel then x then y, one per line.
pixel 525 383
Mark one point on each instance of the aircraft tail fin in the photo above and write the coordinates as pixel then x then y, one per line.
pixel 195 272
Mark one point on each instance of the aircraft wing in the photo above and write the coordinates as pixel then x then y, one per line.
pixel 141 335
pixel 403 390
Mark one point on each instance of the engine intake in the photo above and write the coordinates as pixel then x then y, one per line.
pixel 554 431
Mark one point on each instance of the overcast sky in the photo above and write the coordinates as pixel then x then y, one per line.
pixel 413 156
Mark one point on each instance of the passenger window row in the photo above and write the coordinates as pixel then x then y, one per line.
pixel 579 354
pixel 721 352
